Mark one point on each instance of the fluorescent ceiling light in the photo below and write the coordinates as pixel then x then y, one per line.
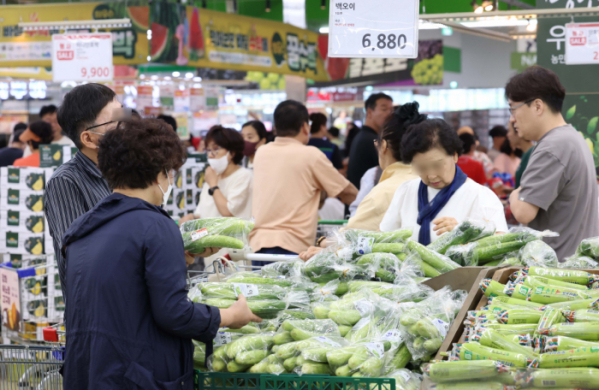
pixel 424 25
pixel 324 30
pixel 499 22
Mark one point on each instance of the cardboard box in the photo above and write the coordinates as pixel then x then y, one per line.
pixel 21 199
pixel 26 178
pixel 54 155
pixel 22 221
pixel 22 243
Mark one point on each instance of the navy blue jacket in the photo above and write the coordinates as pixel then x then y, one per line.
pixel 128 319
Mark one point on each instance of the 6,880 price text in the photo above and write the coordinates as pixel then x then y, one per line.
pixel 390 41
pixel 95 72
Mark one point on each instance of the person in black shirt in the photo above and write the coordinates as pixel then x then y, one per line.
pixel 363 154
pixel 318 133
pixel 13 151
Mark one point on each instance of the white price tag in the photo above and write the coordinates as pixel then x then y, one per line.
pixel 364 245
pixel 393 335
pixel 373 28
pixel 345 253
pixel 377 349
pixel 199 234
pixel 582 43
pixel 82 57
pixel 441 326
pixel 222 338
pixel 328 341
pixel 248 290
pixel 363 307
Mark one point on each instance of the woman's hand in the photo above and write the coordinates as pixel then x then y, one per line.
pixel 189 258
pixel 211 177
pixel 238 314
pixel 444 224
pixel 207 252
pixel 307 255
pixel 186 218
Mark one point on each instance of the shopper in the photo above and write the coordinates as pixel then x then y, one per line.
pixel 352 130
pixel 38 133
pixel 288 179
pixel 443 196
pixel 363 154
pixel 318 134
pixel 14 150
pixel 254 135
pixel 169 120
pixel 498 134
pixel 334 135
pixel 527 147
pixel 50 114
pixel 372 209
pixel 479 155
pixel 227 190
pixel 472 168
pixel 128 318
pixel 367 183
pixel 558 190
pixel 508 160
pixel 88 111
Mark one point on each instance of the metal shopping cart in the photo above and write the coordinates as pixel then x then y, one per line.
pixel 31 367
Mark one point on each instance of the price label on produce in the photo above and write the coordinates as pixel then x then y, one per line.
pixel 248 290
pixel 82 57
pixel 377 349
pixel 328 341
pixel 582 43
pixel 222 338
pixel 393 335
pixel 373 28
pixel 441 326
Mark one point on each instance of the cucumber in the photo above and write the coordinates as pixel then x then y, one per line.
pixel 345 317
pixel 248 343
pixel 233 366
pixel 439 262
pixel 290 363
pixel 210 241
pixel 401 359
pixel 388 248
pixel 259 280
pixel 485 254
pixel 251 357
pixel 343 371
pixel 282 338
pixel 316 369
pixel 219 365
pixel 504 238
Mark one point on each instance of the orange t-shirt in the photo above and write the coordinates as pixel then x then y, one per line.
pixel 33 160
pixel 288 178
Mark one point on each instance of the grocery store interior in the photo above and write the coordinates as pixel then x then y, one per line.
pixel 299 194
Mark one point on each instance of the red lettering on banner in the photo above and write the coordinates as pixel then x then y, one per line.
pixel 65 55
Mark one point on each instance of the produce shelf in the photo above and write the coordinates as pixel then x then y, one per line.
pixel 231 381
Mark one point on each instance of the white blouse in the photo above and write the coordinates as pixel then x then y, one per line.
pixel 237 188
pixel 470 201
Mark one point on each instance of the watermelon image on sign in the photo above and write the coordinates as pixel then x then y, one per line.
pixel 160 41
pixel 140 18
pixel 196 39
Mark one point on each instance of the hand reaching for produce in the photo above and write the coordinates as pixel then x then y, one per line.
pixel 189 258
pixel 238 314
pixel 444 224
pixel 211 177
pixel 207 252
pixel 307 255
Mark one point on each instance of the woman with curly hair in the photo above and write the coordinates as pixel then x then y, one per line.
pixel 128 318
pixel 443 196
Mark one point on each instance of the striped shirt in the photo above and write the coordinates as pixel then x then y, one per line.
pixel 74 189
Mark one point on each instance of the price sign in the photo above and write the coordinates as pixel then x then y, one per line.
pixel 248 290
pixel 582 43
pixel 373 28
pixel 82 57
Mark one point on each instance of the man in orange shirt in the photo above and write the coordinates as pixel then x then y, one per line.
pixel 38 133
pixel 289 177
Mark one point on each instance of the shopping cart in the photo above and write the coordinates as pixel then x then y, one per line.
pixel 29 367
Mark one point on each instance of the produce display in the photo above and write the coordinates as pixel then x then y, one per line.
pixel 224 232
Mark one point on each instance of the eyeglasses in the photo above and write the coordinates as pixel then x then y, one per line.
pixel 118 123
pixel 512 109
pixel 213 151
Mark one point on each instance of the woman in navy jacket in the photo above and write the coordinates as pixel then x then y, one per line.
pixel 128 319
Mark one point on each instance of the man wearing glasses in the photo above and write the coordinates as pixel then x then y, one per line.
pixel 558 190
pixel 86 114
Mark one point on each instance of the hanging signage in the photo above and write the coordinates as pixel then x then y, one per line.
pixel 197 100
pixel 582 43
pixel 10 302
pixel 82 57
pixel 373 28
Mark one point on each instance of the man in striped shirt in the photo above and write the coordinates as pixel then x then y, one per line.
pixel 87 112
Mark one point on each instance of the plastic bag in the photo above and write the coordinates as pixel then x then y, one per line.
pixel 589 247
pixel 240 354
pixel 432 263
pixel 425 326
pixel 223 232
pixel 353 307
pixel 282 269
pixel 327 266
pixel 467 231
pixel 361 359
pixel 357 237
pixel 538 254
pixel 405 379
pixel 327 291
pixel 578 262
pixel 252 292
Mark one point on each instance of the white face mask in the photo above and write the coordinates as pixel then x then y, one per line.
pixel 219 164
pixel 166 194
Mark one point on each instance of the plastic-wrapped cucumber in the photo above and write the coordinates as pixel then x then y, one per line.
pixel 396 236
pixel 589 247
pixel 582 315
pixel 563 343
pixel 256 279
pixel 263 309
pixel 473 351
pixel 587 378
pixel 482 255
pixel 232 290
pixel 580 357
pixel 578 262
pixel 404 380
pixel 464 233
pixel 572 276
pixel 458 370
pixel 439 262
pixel 579 330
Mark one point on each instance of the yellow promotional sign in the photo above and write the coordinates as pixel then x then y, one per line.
pixel 199 37
pixel 34 48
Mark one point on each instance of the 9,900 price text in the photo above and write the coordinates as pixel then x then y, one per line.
pixel 95 72
pixel 390 41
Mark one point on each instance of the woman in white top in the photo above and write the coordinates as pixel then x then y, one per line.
pixel 227 190
pixel 443 196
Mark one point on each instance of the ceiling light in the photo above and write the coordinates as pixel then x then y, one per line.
pixel 479 10
pixel 532 25
pixel 197 79
pixel 142 76
pixel 149 58
pixel 154 77
pixel 489 8
pixel 176 74
pixel 424 25
pixel 167 78
pixel 324 30
pixel 188 75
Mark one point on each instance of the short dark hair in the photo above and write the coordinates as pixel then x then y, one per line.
pixel 395 128
pixel 498 131
pixel 227 139
pixel 318 119
pixel 259 127
pixel 135 115
pixel 374 98
pixel 169 120
pixel 334 132
pixel 424 136
pixel 135 153
pixel 19 127
pixel 537 82
pixel 80 108
pixel 49 109
pixel 289 117
pixel 468 142
pixel 44 131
